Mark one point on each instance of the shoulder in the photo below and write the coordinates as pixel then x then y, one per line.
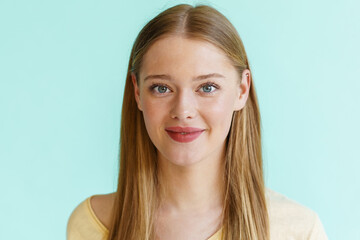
pixel 292 220
pixel 91 218
pixel 102 206
pixel 280 206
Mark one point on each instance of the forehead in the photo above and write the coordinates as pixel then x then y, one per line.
pixel 179 56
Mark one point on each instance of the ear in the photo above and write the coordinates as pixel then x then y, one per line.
pixel 136 91
pixel 243 90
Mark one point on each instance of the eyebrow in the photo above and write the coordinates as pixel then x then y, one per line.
pixel 167 77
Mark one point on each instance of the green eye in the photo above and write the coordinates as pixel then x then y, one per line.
pixel 162 89
pixel 159 88
pixel 207 88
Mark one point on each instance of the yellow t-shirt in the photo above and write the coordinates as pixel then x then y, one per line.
pixel 288 221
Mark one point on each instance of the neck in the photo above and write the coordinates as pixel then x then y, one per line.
pixel 199 187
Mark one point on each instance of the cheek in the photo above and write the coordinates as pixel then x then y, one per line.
pixel 219 112
pixel 218 117
pixel 153 112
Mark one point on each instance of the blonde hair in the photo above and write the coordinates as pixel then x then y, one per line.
pixel 245 213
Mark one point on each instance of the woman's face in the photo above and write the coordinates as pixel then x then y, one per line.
pixel 188 91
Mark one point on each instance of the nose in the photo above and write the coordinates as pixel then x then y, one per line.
pixel 184 106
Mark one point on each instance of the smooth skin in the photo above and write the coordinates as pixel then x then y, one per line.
pixel 188 83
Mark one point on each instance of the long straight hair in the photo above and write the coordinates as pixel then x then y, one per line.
pixel 245 213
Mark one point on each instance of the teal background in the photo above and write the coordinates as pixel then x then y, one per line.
pixel 62 71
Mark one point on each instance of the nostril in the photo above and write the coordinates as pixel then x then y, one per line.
pixel 183 108
pixel 183 115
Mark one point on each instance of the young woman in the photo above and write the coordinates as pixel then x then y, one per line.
pixel 190 157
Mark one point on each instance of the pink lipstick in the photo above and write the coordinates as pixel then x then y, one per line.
pixel 184 134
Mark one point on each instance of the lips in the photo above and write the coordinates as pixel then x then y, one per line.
pixel 184 134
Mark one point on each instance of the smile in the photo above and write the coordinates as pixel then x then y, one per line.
pixel 184 135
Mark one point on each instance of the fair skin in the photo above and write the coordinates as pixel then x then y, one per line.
pixel 187 83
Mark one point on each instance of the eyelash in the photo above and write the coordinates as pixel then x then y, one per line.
pixel 212 84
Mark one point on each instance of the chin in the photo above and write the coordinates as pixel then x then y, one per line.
pixel 180 160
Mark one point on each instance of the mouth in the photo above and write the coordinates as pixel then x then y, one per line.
pixel 184 135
